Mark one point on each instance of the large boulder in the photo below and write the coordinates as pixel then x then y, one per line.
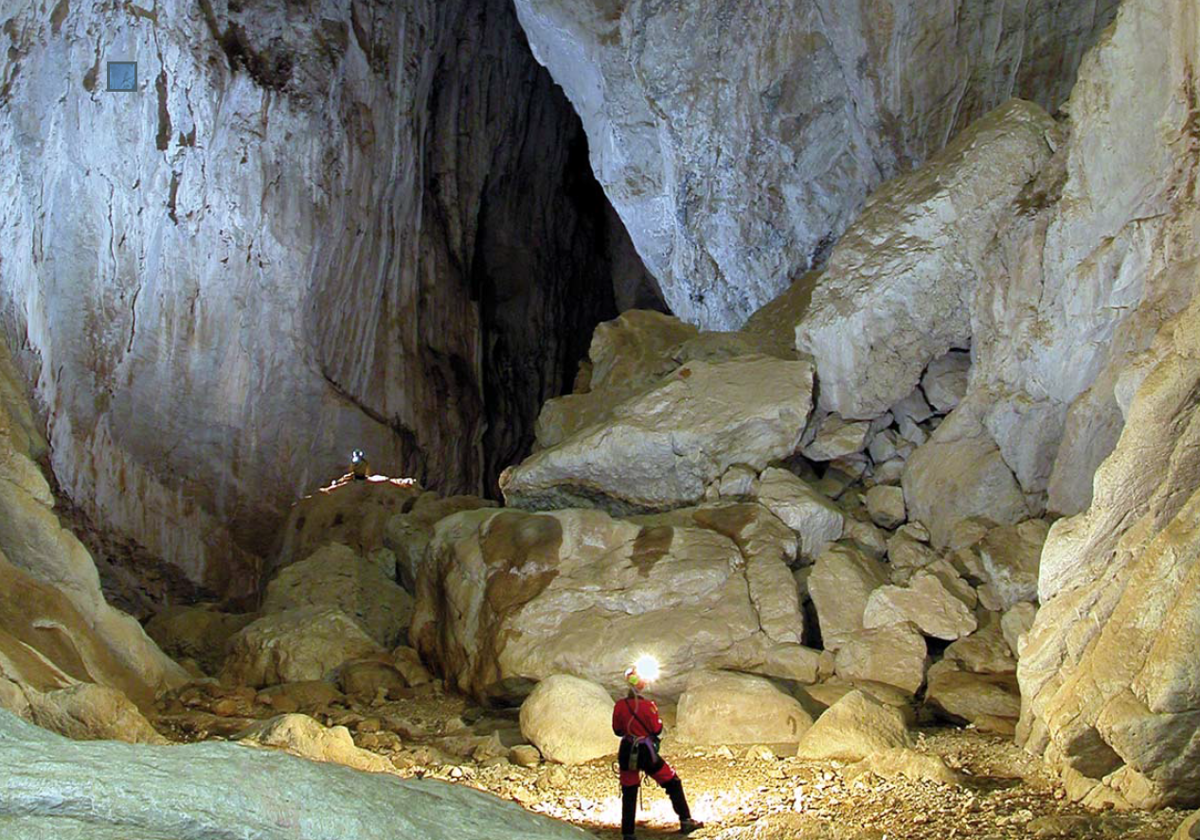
pixel 569 720
pixel 510 598
pixel 336 576
pixel 855 727
pixel 818 103
pixel 840 585
pixel 960 473
pixel 306 643
pixel 988 700
pixel 112 791
pixel 896 294
pixel 894 655
pixel 662 448
pixel 726 708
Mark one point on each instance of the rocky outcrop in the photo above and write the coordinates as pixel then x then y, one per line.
pixel 306 643
pixel 55 627
pixel 302 736
pixel 1107 678
pixel 509 598
pixel 738 141
pixel 662 448
pixel 373 226
pixel 110 791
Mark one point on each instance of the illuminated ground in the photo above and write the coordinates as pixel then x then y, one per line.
pixel 742 794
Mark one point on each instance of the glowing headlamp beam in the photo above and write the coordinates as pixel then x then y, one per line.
pixel 647 668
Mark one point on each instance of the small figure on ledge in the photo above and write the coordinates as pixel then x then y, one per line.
pixel 359 467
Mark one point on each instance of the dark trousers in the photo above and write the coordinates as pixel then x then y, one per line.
pixel 652 764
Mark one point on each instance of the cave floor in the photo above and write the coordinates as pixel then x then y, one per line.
pixel 755 793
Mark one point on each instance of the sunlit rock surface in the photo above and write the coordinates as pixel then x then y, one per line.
pixel 111 791
pixel 314 227
pixel 738 140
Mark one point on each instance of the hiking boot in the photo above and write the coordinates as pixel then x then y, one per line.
pixel 628 837
pixel 689 825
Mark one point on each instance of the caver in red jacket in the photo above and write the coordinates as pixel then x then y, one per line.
pixel 636 721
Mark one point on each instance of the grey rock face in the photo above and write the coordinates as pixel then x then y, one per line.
pixel 107 790
pixel 373 226
pixel 737 140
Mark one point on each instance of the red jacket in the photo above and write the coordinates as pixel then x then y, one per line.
pixel 636 717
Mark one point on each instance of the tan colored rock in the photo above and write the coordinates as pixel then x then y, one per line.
pixel 408 662
pixel 197 633
pixel 1016 623
pixel 865 536
pixel 816 521
pixel 569 720
pixel 407 534
pixel 926 602
pixel 661 449
pixel 308 696
pixel 1189 829
pixel 986 651
pixel 307 643
pixel 886 506
pixel 893 655
pixel 959 473
pixel 90 712
pixel 371 678
pixel 738 481
pixel 510 598
pixel 836 438
pixel 301 735
pixel 1010 556
pixel 975 698
pixel 854 728
pixel 720 707
pixel 525 755
pixel 334 576
pixel 840 585
pixel 904 552
pixel 352 513
pixel 902 763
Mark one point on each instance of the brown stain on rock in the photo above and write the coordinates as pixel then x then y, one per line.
pixel 650 546
pixel 729 521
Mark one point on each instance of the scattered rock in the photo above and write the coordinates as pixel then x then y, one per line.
pixel 836 438
pixel 982 699
pixel 525 755
pixel 906 763
pixel 302 736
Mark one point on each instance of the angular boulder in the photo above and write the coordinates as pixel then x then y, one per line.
pixel 926 602
pixel 661 449
pixel 855 727
pixel 569 720
pixel 816 521
pixel 990 701
pixel 840 585
pixel 307 643
pixel 896 293
pixel 720 707
pixel 336 577
pixel 894 655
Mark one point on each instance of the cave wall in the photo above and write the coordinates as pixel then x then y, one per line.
pixel 315 226
pixel 738 140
